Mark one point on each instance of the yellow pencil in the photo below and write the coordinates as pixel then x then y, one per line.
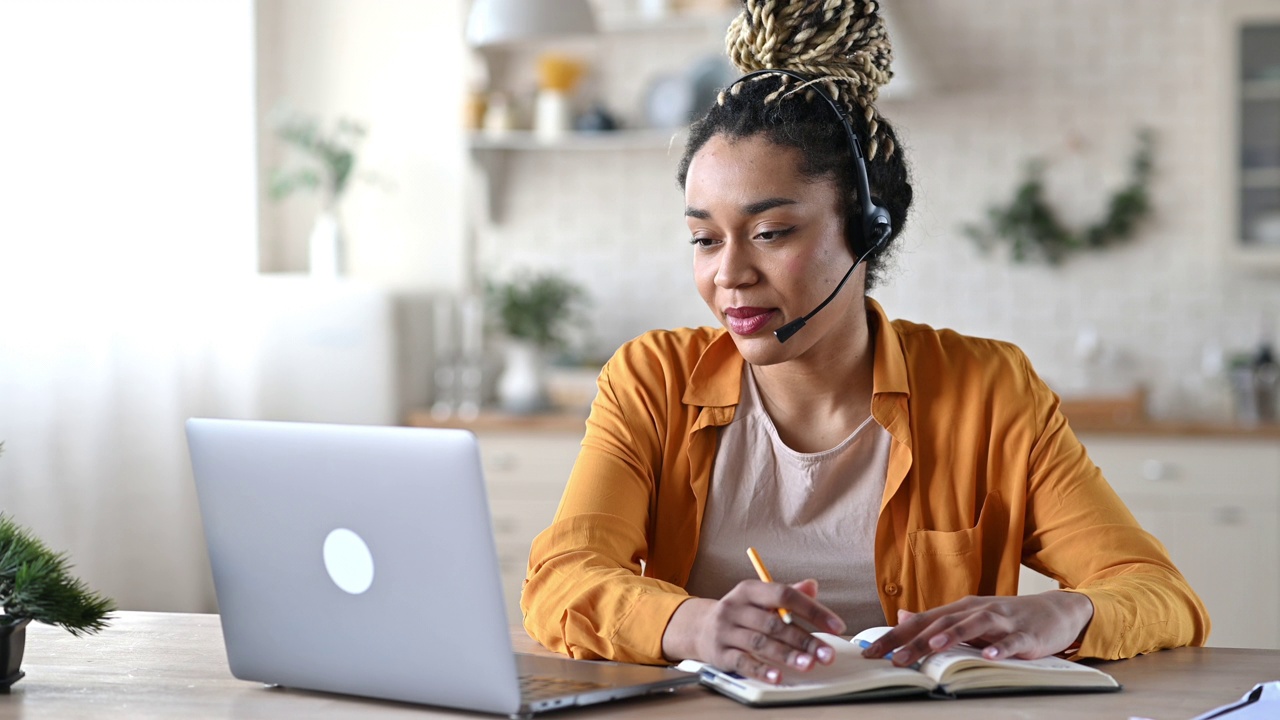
pixel 763 572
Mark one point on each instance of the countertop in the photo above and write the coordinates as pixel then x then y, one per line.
pixel 574 421
pixel 498 421
pixel 1148 427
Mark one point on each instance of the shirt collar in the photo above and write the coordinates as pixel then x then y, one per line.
pixel 717 378
pixel 890 373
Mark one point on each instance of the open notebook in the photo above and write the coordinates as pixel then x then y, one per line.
pixel 955 673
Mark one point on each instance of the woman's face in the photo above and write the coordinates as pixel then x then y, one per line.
pixel 769 246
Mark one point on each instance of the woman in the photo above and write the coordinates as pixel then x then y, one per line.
pixel 910 470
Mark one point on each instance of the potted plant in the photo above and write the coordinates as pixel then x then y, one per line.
pixel 35 584
pixel 534 313
pixel 331 155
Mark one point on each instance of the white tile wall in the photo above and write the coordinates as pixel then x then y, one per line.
pixel 1069 80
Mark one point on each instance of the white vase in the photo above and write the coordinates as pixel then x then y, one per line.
pixel 552 117
pixel 522 386
pixel 326 246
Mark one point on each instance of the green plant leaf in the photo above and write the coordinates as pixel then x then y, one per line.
pixel 1031 228
pixel 35 583
pixel 331 153
pixel 535 308
pixel 283 184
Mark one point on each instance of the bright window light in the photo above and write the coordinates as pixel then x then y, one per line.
pixel 126 147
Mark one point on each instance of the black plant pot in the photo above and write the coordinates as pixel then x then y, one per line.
pixel 13 640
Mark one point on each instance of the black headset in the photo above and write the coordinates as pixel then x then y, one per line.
pixel 876 224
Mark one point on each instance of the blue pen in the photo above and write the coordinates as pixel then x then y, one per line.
pixel 914 666
pixel 864 645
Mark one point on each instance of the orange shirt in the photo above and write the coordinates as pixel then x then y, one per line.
pixel 984 475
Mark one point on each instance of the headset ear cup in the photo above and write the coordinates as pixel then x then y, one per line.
pixel 878 225
pixel 868 232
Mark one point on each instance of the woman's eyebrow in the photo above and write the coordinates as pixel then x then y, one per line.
pixel 754 208
pixel 760 206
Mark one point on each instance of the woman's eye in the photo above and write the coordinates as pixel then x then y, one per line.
pixel 774 234
pixel 702 242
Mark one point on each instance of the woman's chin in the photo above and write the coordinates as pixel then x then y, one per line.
pixel 761 348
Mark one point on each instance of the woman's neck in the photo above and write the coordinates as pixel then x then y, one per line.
pixel 818 399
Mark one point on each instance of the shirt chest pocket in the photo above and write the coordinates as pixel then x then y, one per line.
pixel 948 565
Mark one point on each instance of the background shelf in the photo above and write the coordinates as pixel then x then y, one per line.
pixel 524 140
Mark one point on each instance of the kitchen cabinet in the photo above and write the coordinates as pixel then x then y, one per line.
pixel 525 474
pixel 1215 504
pixel 1253 45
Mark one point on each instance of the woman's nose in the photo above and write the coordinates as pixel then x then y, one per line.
pixel 736 266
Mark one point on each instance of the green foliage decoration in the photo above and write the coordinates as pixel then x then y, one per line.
pixel 331 154
pixel 36 583
pixel 1032 228
pixel 535 308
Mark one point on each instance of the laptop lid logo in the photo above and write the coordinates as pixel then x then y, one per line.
pixel 348 561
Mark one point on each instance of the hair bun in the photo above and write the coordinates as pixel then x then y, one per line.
pixel 839 43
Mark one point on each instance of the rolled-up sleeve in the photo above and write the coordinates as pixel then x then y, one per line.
pixel 585 594
pixel 1080 533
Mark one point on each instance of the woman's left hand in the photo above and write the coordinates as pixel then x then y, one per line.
pixel 1022 626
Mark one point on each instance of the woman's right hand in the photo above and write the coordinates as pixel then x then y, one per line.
pixel 743 633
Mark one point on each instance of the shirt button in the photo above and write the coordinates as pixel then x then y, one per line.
pixel 891 589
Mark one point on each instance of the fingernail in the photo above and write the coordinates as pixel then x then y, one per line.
pixel 771 675
pixel 937 641
pixel 992 652
pixel 825 654
pixel 902 658
pixel 904 615
pixel 836 625
pixel 803 661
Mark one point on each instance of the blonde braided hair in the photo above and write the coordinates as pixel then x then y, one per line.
pixel 835 43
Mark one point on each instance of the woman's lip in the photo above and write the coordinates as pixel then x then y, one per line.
pixel 745 311
pixel 748 320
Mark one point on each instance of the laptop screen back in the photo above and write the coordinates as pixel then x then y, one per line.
pixel 355 559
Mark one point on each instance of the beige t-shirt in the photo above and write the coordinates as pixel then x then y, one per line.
pixel 809 515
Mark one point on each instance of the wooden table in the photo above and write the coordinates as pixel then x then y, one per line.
pixel 163 665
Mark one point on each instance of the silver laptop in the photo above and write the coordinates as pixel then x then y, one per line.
pixel 360 560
